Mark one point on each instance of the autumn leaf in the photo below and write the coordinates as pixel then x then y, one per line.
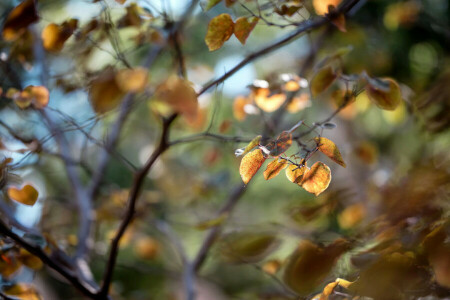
pixel 239 107
pixel 328 148
pixel 339 22
pixel 352 216
pixel 38 96
pixel 321 6
pixel 243 28
pixel 310 264
pixel 54 36
pixel 104 92
pixel 27 195
pixel 248 247
pixel 388 98
pixel 253 143
pixel 274 168
pixel 180 95
pixel 19 19
pixel 329 289
pixel 317 179
pixel 269 103
pixel 211 3
pixel 250 164
pixel 30 260
pixel 219 31
pixel 295 174
pixel 147 248
pixel 132 80
pixel 322 80
pixel 280 145
pixel 22 291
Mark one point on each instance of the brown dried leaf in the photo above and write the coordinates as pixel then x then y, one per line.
pixel 19 19
pixel 328 148
pixel 243 28
pixel 317 179
pixel 274 168
pixel 250 164
pixel 219 31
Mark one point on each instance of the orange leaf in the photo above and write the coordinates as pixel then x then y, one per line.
pixel 54 36
pixel 243 28
pixel 328 148
pixel 104 92
pixel 321 6
pixel 269 104
pixel 18 20
pixel 280 145
pixel 322 80
pixel 22 291
pixel 351 216
pixel 295 174
pixel 238 107
pixel 219 31
pixel 36 95
pixel 180 95
pixel 317 179
pixel 133 80
pixel 387 99
pixel 250 164
pixel 339 22
pixel 27 195
pixel 274 168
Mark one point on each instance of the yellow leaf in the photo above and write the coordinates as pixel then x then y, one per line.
pixel 322 80
pixel 104 92
pixel 219 31
pixel 147 248
pixel 280 145
pixel 133 80
pixel 27 195
pixel 38 96
pixel 298 103
pixel 54 36
pixel 180 95
pixel 238 107
pixel 329 288
pixel 248 247
pixel 387 99
pixel 269 104
pixel 18 20
pixel 243 28
pixel 321 6
pixel 271 266
pixel 250 164
pixel 30 260
pixel 274 168
pixel 317 179
pixel 22 291
pixel 253 143
pixel 328 148
pixel 295 174
pixel 352 216
pixel 310 264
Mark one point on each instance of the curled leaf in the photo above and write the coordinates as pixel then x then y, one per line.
pixel 219 31
pixel 18 20
pixel 26 195
pixel 250 164
pixel 386 98
pixel 328 148
pixel 243 28
pixel 274 168
pixel 322 80
pixel 317 179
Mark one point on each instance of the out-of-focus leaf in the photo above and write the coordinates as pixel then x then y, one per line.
pixel 288 10
pixel 133 80
pixel 328 148
pixel 248 247
pixel 322 80
pixel 274 168
pixel 321 6
pixel 212 222
pixel 104 92
pixel 309 264
pixel 210 4
pixel 438 253
pixel 269 103
pixel 352 216
pixel 27 195
pixel 367 152
pixel 295 174
pixel 339 22
pixel 299 103
pixel 219 31
pixel 386 99
pixel 239 107
pixel 22 291
pixel 243 28
pixel 250 164
pixel 30 260
pixel 272 266
pixel 180 95
pixel 133 17
pixel 19 19
pixel 37 95
pixel 329 288
pixel 317 179
pixel 147 248
pixel 8 265
pixel 54 36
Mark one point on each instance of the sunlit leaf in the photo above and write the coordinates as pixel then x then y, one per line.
pixel 250 164
pixel 272 266
pixel 243 28
pixel 317 179
pixel 321 6
pixel 269 103
pixel 310 264
pixel 329 288
pixel 328 148
pixel 299 103
pixel 38 96
pixel 134 80
pixel 219 31
pixel 54 36
pixel 248 247
pixel 295 174
pixel 322 80
pixel 19 19
pixel 274 168
pixel 27 195
pixel 352 216
pixel 147 248
pixel 386 99
pixel 180 95
pixel 22 291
